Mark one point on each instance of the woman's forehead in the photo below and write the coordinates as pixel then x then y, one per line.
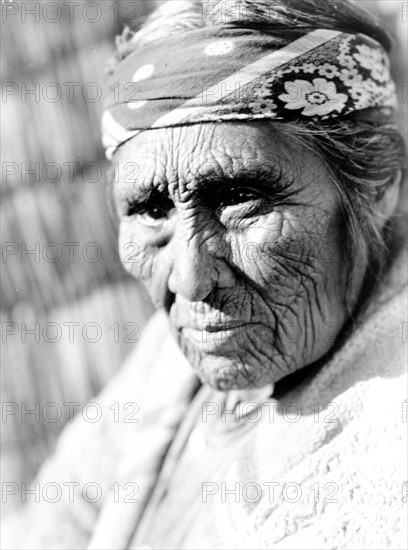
pixel 189 153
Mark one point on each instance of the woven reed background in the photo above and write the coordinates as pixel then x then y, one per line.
pixel 60 205
pixel 33 210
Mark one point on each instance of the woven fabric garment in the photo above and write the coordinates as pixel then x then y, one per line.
pixel 350 472
pixel 224 74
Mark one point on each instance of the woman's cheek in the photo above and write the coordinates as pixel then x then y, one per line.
pixel 134 251
pixel 145 261
pixel 256 251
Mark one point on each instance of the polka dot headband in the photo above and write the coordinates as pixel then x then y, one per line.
pixel 221 74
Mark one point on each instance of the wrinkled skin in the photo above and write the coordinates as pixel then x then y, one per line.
pixel 240 241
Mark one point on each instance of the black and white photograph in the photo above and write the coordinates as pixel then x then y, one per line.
pixel 204 269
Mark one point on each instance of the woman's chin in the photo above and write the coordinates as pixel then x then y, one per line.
pixel 225 373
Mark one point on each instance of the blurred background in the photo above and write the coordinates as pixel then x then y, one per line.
pixel 69 313
pixel 84 313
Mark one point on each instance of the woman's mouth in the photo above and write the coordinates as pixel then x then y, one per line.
pixel 214 338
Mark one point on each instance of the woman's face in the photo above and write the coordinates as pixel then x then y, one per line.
pixel 236 231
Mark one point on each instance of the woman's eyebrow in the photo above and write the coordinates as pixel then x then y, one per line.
pixel 270 178
pixel 140 191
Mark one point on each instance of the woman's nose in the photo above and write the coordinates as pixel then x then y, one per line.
pixel 196 271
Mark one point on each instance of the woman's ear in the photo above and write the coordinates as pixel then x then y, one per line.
pixel 387 204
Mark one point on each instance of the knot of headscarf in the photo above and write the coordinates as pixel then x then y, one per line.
pixel 225 74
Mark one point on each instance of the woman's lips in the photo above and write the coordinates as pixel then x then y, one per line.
pixel 219 327
pixel 211 331
pixel 217 339
pixel 210 327
pixel 204 318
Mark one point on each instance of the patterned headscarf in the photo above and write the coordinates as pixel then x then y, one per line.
pixel 224 74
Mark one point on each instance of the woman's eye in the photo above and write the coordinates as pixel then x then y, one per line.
pixel 238 196
pixel 149 214
pixel 154 213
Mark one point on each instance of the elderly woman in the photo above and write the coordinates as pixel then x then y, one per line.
pixel 258 194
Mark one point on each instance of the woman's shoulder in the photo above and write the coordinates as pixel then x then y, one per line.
pixel 153 377
pixel 116 448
